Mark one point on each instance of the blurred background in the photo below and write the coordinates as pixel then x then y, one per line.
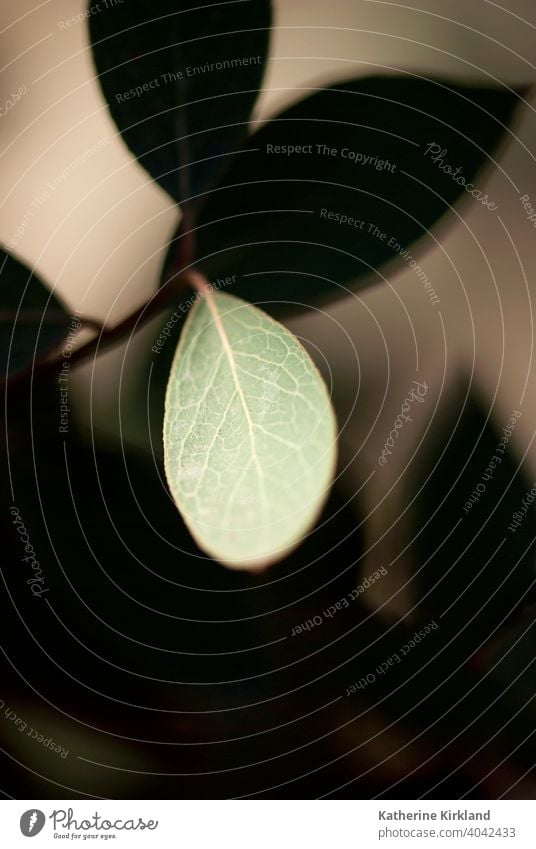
pixel 161 673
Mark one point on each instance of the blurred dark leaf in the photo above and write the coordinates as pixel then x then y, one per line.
pixel 140 635
pixel 473 569
pixel 187 108
pixel 270 218
pixel 132 608
pixel 31 318
pixel 510 661
pixel 474 579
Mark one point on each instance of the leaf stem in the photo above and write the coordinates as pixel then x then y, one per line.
pixel 199 282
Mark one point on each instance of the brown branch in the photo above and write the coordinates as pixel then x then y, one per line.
pixel 51 362
pixel 91 323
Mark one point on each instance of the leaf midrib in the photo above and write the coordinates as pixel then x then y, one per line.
pixel 227 347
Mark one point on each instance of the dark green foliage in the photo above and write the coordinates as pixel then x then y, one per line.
pixel 270 217
pixel 187 110
pixel 32 319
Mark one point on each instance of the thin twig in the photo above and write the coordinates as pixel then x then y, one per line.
pixel 48 364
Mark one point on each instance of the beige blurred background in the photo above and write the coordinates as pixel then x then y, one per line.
pixel 99 236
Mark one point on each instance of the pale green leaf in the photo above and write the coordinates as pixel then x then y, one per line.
pixel 249 433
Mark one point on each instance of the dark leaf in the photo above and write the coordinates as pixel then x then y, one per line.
pixel 510 662
pixel 181 81
pixel 275 217
pixel 472 577
pixel 31 318
pixel 476 564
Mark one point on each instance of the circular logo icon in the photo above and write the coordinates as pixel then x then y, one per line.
pixel 32 822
